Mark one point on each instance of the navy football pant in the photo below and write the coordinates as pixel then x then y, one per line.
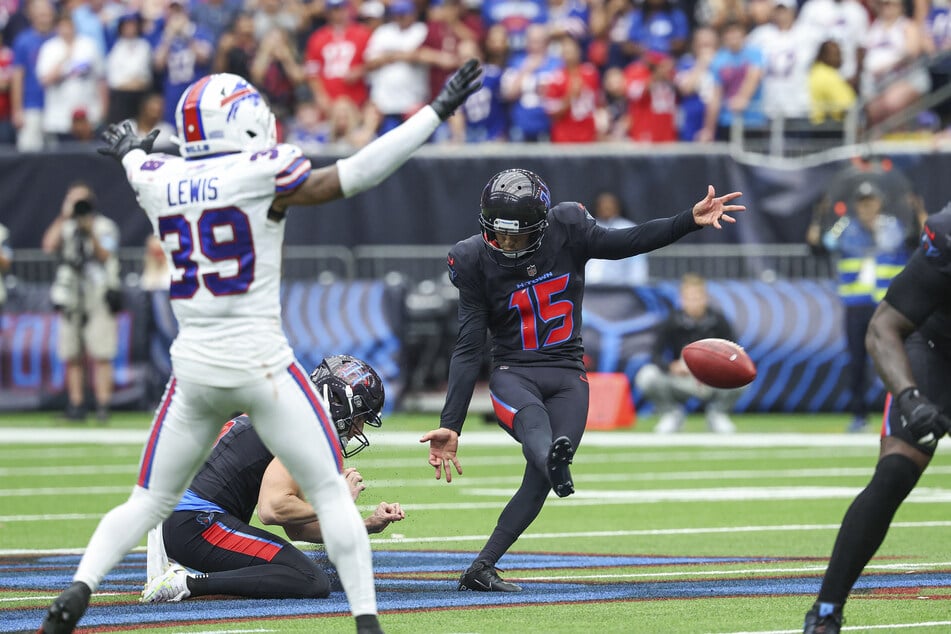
pixel 535 406
pixel 239 559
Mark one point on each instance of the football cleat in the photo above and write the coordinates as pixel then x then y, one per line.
pixel 827 624
pixel 66 610
pixel 170 586
pixel 559 457
pixel 483 577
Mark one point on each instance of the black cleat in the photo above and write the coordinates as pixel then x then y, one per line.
pixel 483 577
pixel 66 610
pixel 829 624
pixel 368 624
pixel 559 457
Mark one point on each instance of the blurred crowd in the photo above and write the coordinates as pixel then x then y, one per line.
pixel 340 72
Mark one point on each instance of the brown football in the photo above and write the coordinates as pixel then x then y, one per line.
pixel 719 363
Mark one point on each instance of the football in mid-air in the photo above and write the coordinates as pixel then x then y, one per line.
pixel 719 363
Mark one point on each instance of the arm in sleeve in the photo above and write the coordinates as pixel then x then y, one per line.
pixel 466 359
pixel 614 244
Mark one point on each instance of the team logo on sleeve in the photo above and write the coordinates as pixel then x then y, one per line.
pixel 451 263
pixel 927 242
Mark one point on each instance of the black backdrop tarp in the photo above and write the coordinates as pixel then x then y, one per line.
pixel 434 199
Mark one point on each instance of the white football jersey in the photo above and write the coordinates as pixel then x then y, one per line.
pixel 844 21
pixel 211 215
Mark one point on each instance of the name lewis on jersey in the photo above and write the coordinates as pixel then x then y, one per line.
pixel 191 190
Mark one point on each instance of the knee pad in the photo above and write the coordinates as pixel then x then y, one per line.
pixel 895 477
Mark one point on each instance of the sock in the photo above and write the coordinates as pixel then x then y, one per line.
pixel 865 525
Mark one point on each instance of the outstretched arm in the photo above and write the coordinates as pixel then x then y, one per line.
pixel 712 209
pixel 368 167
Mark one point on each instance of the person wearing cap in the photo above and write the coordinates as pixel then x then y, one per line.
pixel 651 99
pixel 85 293
pixel 871 249
pixel 334 58
pixel 399 81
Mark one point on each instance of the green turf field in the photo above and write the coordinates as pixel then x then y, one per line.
pixel 776 492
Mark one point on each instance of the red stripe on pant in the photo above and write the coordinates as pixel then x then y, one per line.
pixel 220 536
pixel 503 412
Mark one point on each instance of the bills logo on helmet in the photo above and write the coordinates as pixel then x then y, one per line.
pixel 242 91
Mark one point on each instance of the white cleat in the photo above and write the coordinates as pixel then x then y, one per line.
pixel 170 586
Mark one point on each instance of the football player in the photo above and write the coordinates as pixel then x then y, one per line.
pixel 522 278
pixel 219 210
pixel 209 530
pixel 909 338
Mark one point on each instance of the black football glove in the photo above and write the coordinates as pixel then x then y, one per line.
pixel 921 417
pixel 463 83
pixel 122 139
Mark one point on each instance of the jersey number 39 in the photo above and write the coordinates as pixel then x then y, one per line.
pixel 238 247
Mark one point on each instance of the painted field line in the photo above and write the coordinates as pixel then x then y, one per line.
pixel 903 567
pixel 649 532
pixel 589 457
pixel 494 438
pixel 38 597
pixel 862 628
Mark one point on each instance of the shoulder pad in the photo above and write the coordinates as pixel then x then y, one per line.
pixel 936 240
pixel 462 255
pixel 570 213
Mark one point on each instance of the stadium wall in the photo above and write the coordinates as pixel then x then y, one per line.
pixel 433 199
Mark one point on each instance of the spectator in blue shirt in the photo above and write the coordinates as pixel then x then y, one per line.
pixel 525 82
pixel 515 16
pixel 737 71
pixel 184 54
pixel 27 92
pixel 485 112
pixel 658 26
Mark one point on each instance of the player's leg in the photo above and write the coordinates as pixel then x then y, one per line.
pixel 294 424
pixel 901 462
pixel 517 397
pixel 179 441
pixel 240 560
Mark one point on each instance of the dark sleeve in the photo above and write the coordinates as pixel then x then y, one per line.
pixel 724 329
pixel 466 356
pixel 662 343
pixel 614 244
pixel 918 290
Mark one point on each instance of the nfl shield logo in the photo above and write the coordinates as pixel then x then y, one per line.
pixel 531 270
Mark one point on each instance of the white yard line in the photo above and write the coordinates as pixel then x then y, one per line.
pixel 863 628
pixel 493 438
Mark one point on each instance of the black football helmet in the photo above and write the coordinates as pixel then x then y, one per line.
pixel 514 202
pixel 353 390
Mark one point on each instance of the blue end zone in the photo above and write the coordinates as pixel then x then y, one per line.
pixel 400 588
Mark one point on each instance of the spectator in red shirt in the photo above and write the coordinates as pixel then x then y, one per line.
pixel 8 135
pixel 441 47
pixel 651 98
pixel 334 58
pixel 573 97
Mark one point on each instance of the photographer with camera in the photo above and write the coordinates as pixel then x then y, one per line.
pixel 86 294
